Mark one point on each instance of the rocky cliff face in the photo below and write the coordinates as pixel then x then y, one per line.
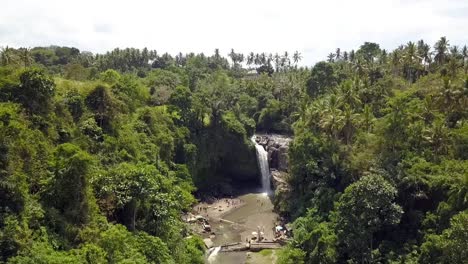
pixel 277 148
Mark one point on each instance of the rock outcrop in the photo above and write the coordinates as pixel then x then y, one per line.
pixel 277 148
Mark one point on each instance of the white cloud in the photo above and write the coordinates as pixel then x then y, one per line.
pixel 315 28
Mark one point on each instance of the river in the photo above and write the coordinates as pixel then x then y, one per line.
pixel 255 214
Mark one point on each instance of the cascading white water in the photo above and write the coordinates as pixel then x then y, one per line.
pixel 262 158
pixel 212 254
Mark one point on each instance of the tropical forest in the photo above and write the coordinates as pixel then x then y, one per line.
pixel 142 156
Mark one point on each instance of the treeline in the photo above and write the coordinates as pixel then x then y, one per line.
pixel 379 169
pixel 77 65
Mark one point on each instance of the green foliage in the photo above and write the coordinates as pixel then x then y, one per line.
pixel 450 246
pixel 102 103
pixel 35 91
pixel 376 113
pixel 321 78
pixel 69 189
pixel 291 256
pixel 377 169
pixel 317 239
pixel 110 76
pixel 365 207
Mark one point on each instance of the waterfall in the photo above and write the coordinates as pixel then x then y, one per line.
pixel 212 253
pixel 262 158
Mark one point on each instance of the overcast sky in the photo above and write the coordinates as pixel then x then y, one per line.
pixel 314 28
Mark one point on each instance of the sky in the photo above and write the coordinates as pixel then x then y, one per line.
pixel 314 28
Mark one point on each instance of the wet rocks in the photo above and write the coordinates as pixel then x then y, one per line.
pixel 277 148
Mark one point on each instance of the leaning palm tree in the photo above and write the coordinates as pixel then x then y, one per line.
pixel 441 48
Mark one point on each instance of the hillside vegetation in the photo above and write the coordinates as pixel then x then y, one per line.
pixel 100 154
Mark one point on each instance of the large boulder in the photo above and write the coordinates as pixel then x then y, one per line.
pixel 277 147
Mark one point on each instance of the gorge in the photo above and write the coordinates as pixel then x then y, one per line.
pixel 256 211
pixel 104 156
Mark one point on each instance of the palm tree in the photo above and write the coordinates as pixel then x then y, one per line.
pixel 345 56
pixel 250 58
pixel 257 59
pixel 277 61
pixel 395 61
pixel 332 120
pixel 233 57
pixel 360 67
pixel 348 96
pixel 26 58
pixel 438 135
pixel 216 54
pixel 7 56
pixel 349 123
pixel 455 52
pixel 297 57
pixel 367 118
pixel 458 194
pixel 427 109
pixel 331 57
pixel 383 57
pixel 352 56
pixel 263 58
pixel 424 53
pixel 396 125
pixel 452 67
pixel 447 97
pixel 314 112
pixel 409 59
pixel 338 54
pixel 441 48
